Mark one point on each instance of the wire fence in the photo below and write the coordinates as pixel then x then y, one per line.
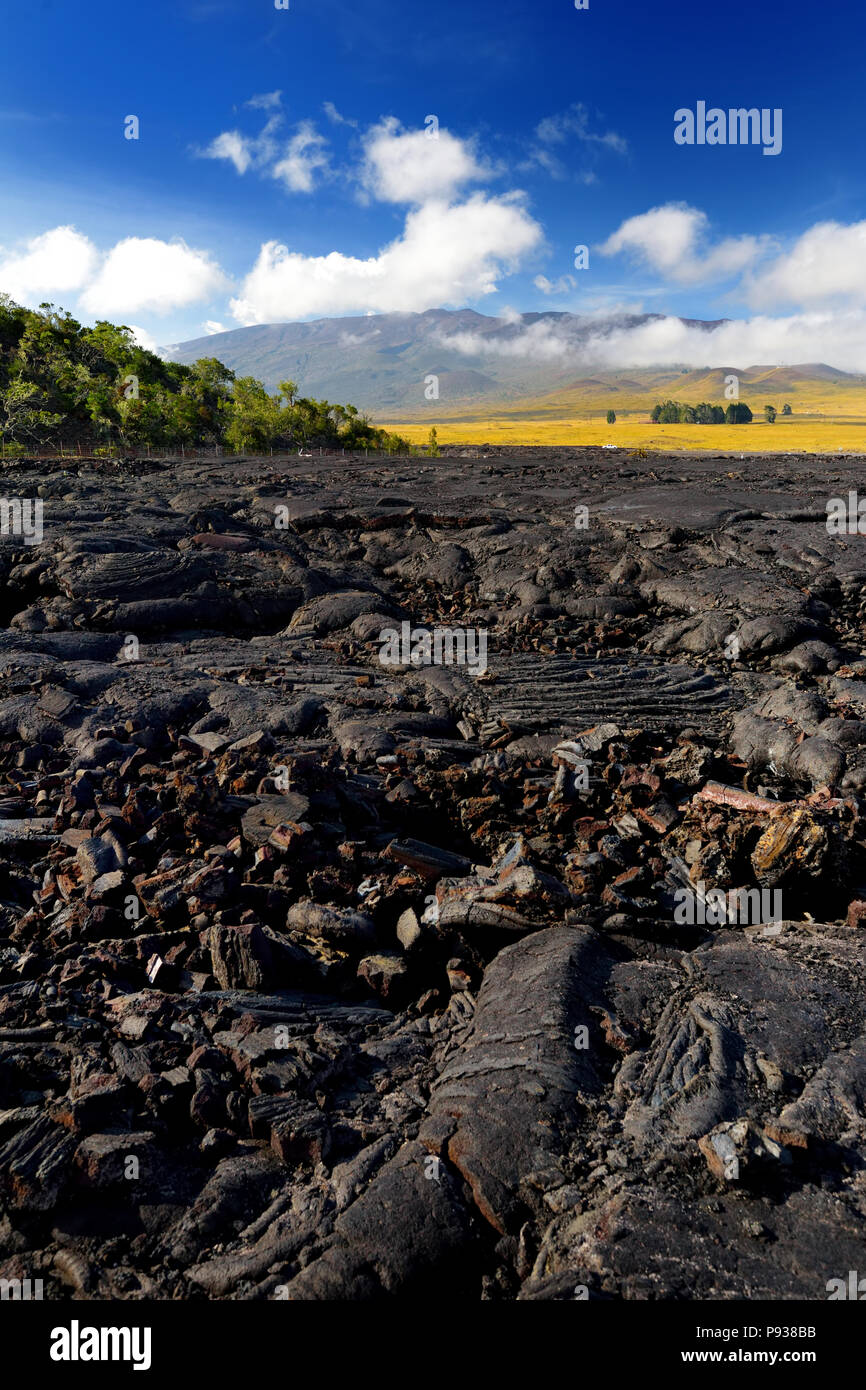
pixel 94 451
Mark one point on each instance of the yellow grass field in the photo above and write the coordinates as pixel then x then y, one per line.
pixel 789 434
pixel 828 416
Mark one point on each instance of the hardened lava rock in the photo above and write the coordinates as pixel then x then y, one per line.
pixel 527 967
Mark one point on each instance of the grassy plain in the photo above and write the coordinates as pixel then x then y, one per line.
pixel 788 435
pixel 829 416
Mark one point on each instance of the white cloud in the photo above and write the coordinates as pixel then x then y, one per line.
pixel 334 115
pixel 356 339
pixel 58 260
pixel 410 166
pixel 560 286
pixel 447 254
pixel 245 151
pixel 213 326
pixel 304 155
pixel 574 123
pixel 265 101
pixel 542 341
pixel 143 273
pixel 399 166
pixel 839 339
pixel 825 267
pixel 233 146
pixel 595 342
pixel 546 160
pixel 143 338
pixel 670 239
pixel 555 138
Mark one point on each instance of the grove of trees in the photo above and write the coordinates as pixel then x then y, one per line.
pixel 61 383
pixel 676 413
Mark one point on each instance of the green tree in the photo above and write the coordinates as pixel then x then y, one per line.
pixel 23 416
pixel 60 381
pixel 254 417
pixel 738 413
pixel 770 414
pixel 786 410
pixel 611 417
pixel 433 444
pixel 677 413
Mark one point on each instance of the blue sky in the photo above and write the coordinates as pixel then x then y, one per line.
pixel 283 168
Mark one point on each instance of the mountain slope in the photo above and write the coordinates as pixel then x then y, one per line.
pixel 531 363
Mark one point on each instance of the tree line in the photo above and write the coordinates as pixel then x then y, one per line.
pixel 61 383
pixel 736 413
